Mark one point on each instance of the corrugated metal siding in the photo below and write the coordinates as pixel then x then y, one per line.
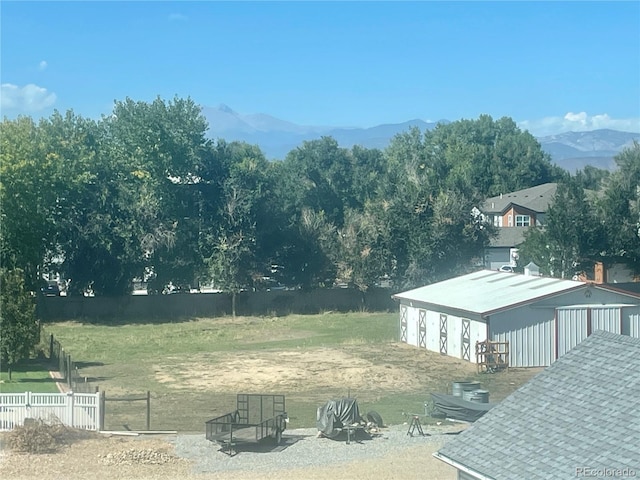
pixel 605 318
pixel 631 321
pixel 572 328
pixel 530 333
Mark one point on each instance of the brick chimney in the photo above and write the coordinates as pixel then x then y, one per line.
pixel 599 273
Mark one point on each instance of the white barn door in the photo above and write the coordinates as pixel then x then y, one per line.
pixel 443 334
pixel 422 328
pixel 403 323
pixel 466 340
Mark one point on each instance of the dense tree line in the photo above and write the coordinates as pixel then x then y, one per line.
pixel 143 193
pixel 595 216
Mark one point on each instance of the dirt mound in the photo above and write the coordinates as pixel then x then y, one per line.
pixel 38 436
pixel 136 456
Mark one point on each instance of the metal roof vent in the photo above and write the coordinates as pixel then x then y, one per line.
pixel 532 270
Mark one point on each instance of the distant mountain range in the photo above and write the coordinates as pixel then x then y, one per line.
pixel 276 137
pixel 574 150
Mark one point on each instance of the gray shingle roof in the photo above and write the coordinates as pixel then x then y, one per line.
pixel 536 199
pixel 509 236
pixel 582 411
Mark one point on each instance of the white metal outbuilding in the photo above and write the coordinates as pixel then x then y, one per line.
pixel 541 317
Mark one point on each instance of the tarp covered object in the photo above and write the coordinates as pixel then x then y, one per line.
pixel 459 409
pixel 335 414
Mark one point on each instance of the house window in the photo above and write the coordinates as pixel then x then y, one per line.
pixel 523 220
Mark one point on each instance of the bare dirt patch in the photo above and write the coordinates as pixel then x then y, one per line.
pixel 386 368
pixel 97 458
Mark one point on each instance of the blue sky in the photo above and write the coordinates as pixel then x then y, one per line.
pixel 551 66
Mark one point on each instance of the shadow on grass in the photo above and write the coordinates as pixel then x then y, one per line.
pixel 29 365
pixel 120 322
pixel 38 380
pixel 81 365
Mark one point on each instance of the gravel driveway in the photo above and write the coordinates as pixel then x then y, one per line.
pixel 390 454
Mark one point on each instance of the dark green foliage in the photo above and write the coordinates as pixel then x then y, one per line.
pixel 19 330
pixel 583 227
pixel 572 238
pixel 143 193
pixel 620 209
pixel 592 178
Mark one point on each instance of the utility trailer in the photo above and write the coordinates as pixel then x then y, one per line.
pixel 257 418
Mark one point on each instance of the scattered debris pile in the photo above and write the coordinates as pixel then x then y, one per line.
pixel 134 456
pixel 38 436
pixel 343 415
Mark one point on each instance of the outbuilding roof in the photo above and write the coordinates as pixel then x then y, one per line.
pixel 582 412
pixel 489 291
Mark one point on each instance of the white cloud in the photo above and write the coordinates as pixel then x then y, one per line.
pixel 578 122
pixel 30 98
pixel 177 17
pixel 42 65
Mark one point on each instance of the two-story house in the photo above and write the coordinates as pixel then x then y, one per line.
pixel 514 213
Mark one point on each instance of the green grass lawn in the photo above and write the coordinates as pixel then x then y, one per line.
pixel 28 376
pixel 188 366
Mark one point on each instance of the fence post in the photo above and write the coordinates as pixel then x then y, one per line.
pixel 70 408
pixel 103 407
pixel 148 410
pixel 69 372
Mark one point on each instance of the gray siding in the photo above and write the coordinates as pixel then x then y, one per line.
pixel 607 318
pixel 530 333
pixel 572 328
pixel 631 321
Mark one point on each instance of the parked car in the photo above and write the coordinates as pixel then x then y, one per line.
pixel 52 289
pixel 507 268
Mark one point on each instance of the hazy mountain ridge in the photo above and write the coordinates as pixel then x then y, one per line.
pixel 276 137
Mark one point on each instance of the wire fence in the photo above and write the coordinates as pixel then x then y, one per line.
pixel 67 369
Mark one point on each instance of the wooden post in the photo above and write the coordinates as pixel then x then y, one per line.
pixel 148 410
pixel 103 405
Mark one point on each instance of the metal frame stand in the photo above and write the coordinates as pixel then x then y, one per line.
pixel 415 426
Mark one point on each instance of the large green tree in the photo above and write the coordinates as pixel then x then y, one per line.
pixel 572 237
pixel 235 259
pixel 433 233
pixel 95 238
pixel 162 149
pixel 28 194
pixel 620 210
pixel 19 329
pixel 487 157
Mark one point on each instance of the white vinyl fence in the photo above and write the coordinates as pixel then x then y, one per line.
pixel 77 410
